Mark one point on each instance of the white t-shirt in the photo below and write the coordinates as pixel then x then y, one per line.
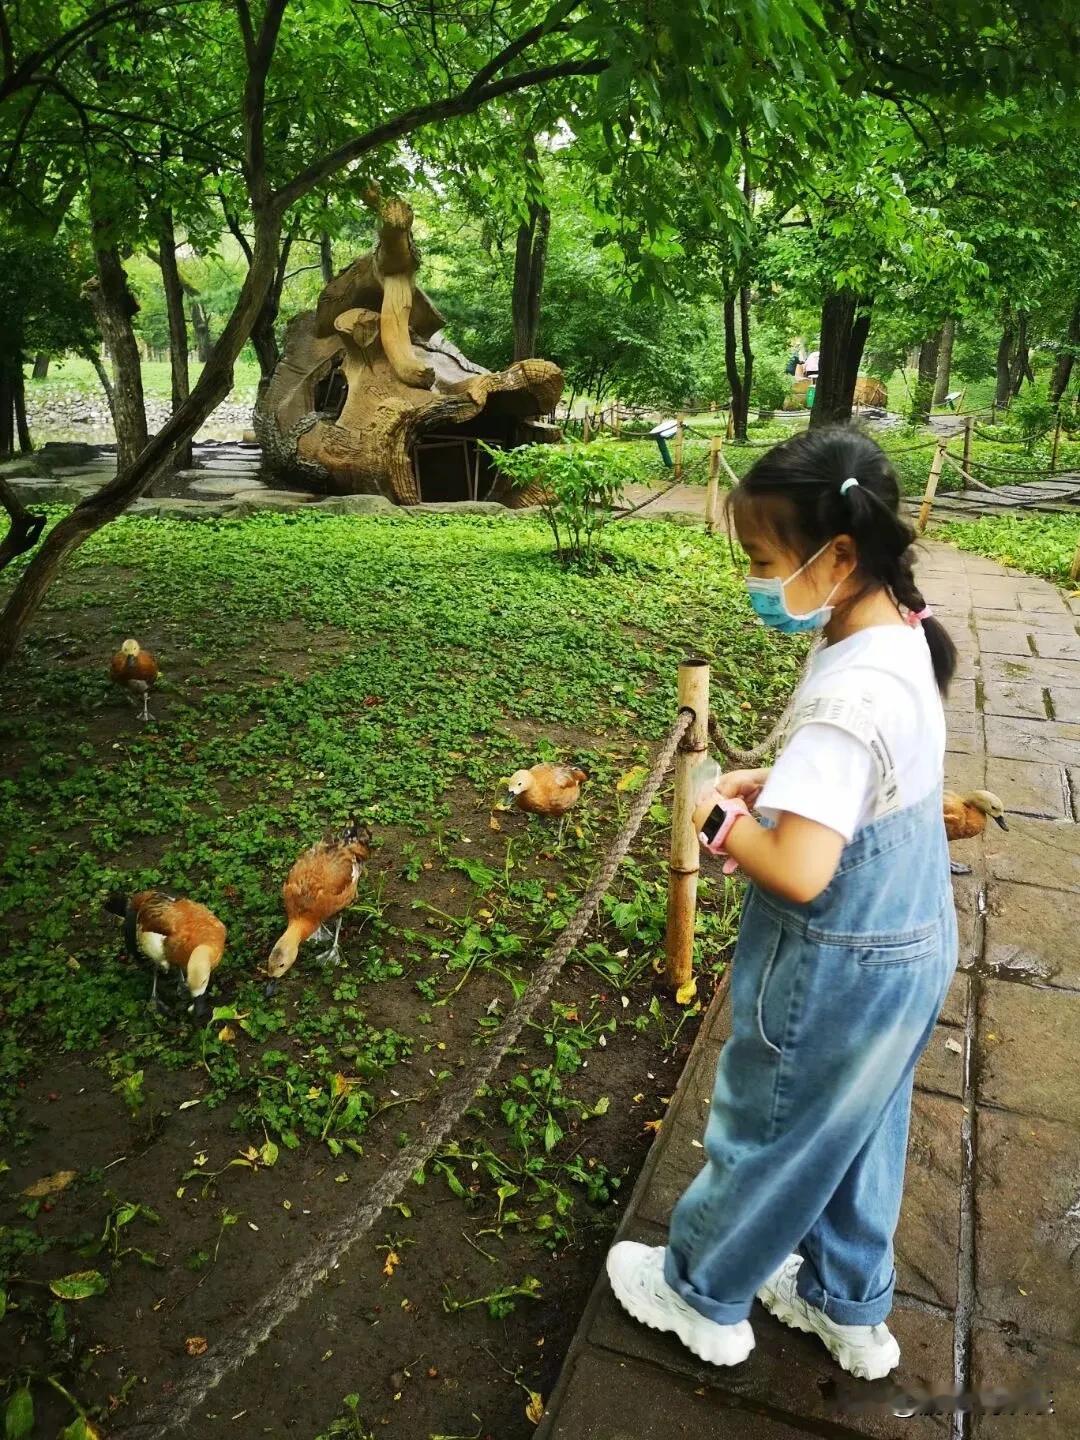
pixel 824 772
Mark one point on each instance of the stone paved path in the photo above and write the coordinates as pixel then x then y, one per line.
pixel 988 1249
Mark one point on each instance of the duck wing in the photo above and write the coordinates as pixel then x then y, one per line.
pixel 322 882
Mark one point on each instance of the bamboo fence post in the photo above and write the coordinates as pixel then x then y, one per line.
pixel 969 426
pixel 678 448
pixel 685 852
pixel 1057 442
pixel 931 485
pixel 1074 568
pixel 585 430
pixel 616 417
pixel 712 498
pixel 729 433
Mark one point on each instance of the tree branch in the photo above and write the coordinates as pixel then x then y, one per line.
pixel 464 103
pixel 25 527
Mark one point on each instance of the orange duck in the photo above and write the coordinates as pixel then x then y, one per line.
pixel 173 934
pixel 966 817
pixel 137 671
pixel 319 887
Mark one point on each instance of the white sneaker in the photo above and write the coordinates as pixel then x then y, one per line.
pixel 636 1273
pixel 868 1352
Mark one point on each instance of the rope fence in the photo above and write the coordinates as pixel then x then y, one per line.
pixel 165 1417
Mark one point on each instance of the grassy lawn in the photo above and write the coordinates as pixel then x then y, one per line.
pixel 1041 544
pixel 74 373
pixel 314 668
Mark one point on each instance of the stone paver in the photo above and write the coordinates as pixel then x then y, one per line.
pixel 988 1245
pixel 1027 1050
pixel 1027 1225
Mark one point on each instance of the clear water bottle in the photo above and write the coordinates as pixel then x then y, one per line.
pixel 706 775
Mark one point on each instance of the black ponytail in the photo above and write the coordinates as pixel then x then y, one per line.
pixel 797 491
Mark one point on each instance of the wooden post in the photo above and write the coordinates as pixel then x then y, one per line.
pixel 729 433
pixel 1074 568
pixel 712 498
pixel 969 426
pixel 585 429
pixel 685 850
pixel 931 485
pixel 616 416
pixel 1057 442
pixel 678 448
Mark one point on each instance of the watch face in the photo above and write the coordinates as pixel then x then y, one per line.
pixel 713 822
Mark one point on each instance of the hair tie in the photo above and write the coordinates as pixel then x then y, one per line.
pixel 846 486
pixel 916 617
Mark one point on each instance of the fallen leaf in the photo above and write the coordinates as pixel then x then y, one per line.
pixel 80 1285
pixel 51 1184
pixel 19 1415
pixel 534 1409
pixel 632 780
pixel 226 1035
pixel 493 824
pixel 638 1098
pixel 685 993
pixel 653 1125
pixel 187 1104
pixel 196 1345
pixel 268 1153
pixel 393 1260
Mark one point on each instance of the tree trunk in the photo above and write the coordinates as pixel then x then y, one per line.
pixel 19 398
pixel 926 379
pixel 1021 365
pixel 530 259
pixel 178 337
pixel 845 324
pixel 1004 359
pixel 114 306
pixel 1063 365
pixel 113 499
pixel 264 332
pixel 201 325
pixel 326 258
pixel 7 411
pixel 740 384
pixel 944 364
pixel 41 366
pixel 106 383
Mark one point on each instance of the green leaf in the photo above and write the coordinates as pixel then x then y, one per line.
pixel 268 1153
pixel 19 1415
pixel 552 1134
pixel 79 1285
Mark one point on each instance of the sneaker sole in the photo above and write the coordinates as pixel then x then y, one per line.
pixel 684 1332
pixel 854 1364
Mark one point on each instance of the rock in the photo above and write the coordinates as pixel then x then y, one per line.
pixel 176 508
pixel 254 502
pixel 66 452
pixel 458 507
pixel 218 485
pixel 355 505
pixel 42 491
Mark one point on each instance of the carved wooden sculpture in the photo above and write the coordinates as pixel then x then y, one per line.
pixel 368 398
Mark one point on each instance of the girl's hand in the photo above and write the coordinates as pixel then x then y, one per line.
pixel 745 785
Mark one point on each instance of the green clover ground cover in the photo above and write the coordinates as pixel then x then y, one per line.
pixel 1040 544
pixel 316 667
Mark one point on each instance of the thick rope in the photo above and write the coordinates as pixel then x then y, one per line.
pixel 266 1314
pixel 752 758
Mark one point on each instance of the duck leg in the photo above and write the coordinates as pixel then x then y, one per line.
pixel 333 953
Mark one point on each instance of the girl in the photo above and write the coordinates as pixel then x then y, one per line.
pixel 848 935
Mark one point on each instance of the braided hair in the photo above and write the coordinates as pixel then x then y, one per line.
pixel 797 491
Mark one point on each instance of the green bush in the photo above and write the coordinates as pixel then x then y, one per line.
pixel 581 483
pixel 1032 414
pixel 770 385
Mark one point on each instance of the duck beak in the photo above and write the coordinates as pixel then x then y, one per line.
pixel 200 1010
pixel 270 988
pixel 1000 820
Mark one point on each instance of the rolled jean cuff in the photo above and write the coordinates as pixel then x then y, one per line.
pixel 841 1311
pixel 723 1312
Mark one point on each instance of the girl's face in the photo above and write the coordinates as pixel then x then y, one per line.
pixel 771 559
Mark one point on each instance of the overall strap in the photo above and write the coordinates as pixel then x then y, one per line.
pixel 854 717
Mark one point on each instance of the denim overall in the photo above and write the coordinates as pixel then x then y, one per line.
pixel 831 1004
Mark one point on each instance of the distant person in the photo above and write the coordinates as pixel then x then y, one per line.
pixel 847 941
pixel 810 365
pixel 795 359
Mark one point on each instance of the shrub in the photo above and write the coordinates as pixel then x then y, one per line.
pixel 1032 414
pixel 770 385
pixel 581 484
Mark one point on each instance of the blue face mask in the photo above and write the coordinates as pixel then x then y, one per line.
pixel 770 606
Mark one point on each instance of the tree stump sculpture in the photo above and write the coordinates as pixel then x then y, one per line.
pixel 370 399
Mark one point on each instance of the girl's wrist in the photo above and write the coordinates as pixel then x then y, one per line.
pixel 720 822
